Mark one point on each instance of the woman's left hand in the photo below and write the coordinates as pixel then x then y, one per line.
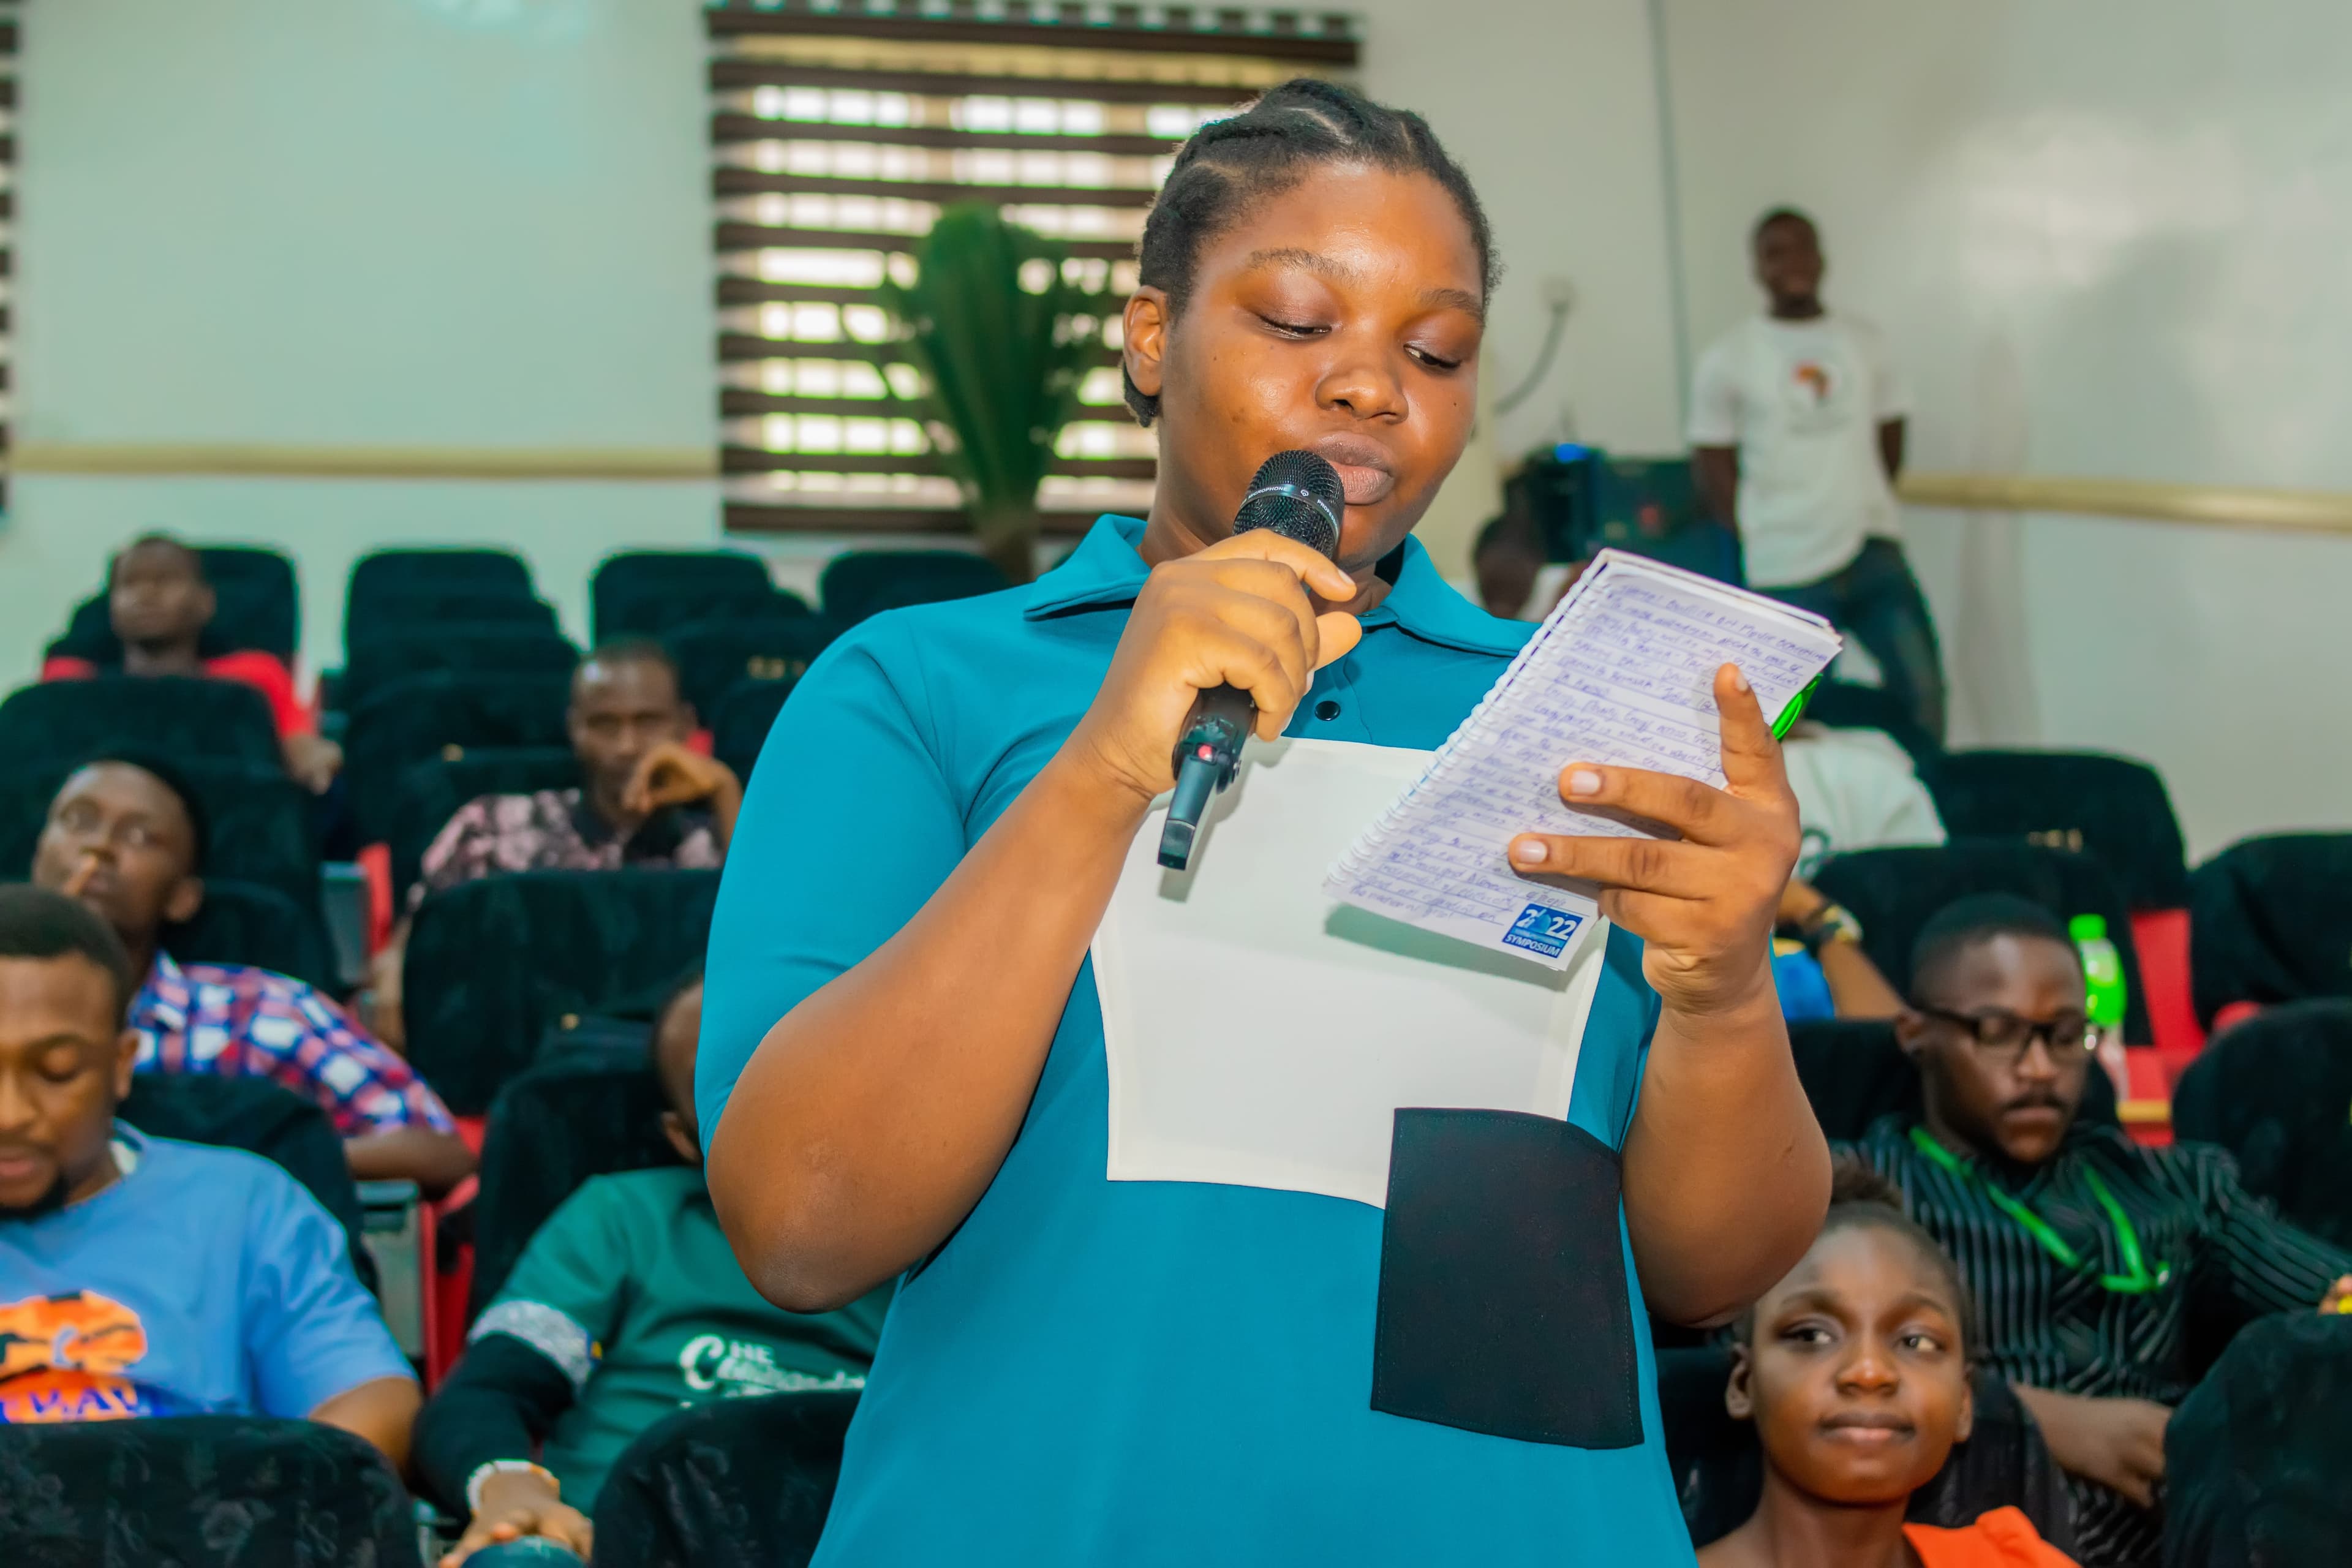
pixel 1703 905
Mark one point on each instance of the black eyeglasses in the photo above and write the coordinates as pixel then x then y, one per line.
pixel 2071 1036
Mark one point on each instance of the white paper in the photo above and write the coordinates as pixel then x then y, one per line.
pixel 1261 1034
pixel 1621 673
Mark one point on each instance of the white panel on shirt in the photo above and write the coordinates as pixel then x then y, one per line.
pixel 1803 401
pixel 342 1074
pixel 206 1041
pixel 274 1032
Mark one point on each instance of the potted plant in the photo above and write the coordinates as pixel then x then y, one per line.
pixel 1002 341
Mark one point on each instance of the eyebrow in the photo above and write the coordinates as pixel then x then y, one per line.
pixel 1341 272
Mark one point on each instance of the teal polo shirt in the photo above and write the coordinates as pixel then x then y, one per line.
pixel 1090 1372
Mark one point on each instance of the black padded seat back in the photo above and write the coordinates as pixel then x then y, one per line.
pixel 2113 809
pixel 2276 1091
pixel 2269 921
pixel 1894 892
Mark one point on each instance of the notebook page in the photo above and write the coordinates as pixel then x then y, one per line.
pixel 1621 673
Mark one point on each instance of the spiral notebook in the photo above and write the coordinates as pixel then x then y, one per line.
pixel 1621 673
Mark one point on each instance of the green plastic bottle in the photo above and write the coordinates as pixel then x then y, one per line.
pixel 2102 972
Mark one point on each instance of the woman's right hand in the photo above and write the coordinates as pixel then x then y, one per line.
pixel 517 1504
pixel 1237 613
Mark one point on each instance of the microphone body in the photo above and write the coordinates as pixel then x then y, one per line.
pixel 1298 495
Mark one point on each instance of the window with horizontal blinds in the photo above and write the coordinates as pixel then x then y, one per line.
pixel 839 134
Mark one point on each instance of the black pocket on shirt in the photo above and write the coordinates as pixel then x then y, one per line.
pixel 1503 1305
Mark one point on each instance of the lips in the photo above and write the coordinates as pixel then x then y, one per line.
pixel 1866 1428
pixel 16 1165
pixel 1362 466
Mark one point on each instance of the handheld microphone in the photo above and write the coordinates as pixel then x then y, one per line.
pixel 1297 495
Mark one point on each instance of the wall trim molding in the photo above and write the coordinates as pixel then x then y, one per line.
pixel 2214 506
pixel 258 461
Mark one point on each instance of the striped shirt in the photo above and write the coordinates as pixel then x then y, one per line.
pixel 2049 1326
pixel 232 1018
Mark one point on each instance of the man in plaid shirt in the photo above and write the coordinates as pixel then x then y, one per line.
pixel 127 841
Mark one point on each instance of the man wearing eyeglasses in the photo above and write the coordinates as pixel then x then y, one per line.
pixel 2080 1246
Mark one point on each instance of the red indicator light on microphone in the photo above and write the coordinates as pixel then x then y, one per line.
pixel 1207 753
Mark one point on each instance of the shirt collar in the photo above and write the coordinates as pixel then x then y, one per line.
pixel 1107 571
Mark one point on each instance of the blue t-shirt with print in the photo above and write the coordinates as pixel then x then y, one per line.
pixel 1144 1373
pixel 204 1281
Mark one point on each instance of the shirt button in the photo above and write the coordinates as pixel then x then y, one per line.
pixel 1327 710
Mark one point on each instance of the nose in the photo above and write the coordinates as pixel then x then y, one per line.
pixel 16 1112
pixel 1867 1368
pixel 1365 381
pixel 2038 1063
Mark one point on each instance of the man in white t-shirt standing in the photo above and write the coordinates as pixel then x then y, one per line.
pixel 1796 433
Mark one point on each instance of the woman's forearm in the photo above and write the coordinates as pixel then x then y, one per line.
pixel 1726 1173
pixel 873 1116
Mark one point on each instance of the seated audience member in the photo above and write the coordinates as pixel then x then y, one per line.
pixel 126 838
pixel 1515 581
pixel 1855 789
pixel 145 1276
pixel 1818 961
pixel 2080 1245
pixel 627 1305
pixel 645 799
pixel 160 603
pixel 1854 1369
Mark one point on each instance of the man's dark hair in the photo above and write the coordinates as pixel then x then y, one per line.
pixel 1265 150
pixel 1971 921
pixel 1780 215
pixel 633 650
pixel 166 772
pixel 1510 531
pixel 37 923
pixel 1862 1197
pixel 196 558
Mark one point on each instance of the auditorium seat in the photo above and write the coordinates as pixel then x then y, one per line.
pixel 733 1483
pixel 179 716
pixel 408 611
pixel 467 648
pixel 2271 920
pixel 245 922
pixel 421 716
pixel 1893 891
pixel 571 1116
pixel 2274 1090
pixel 1849 705
pixel 431 791
pixel 257 605
pixel 391 573
pixel 200 1489
pixel 740 728
pixel 2113 809
pixel 259 821
pixel 645 593
pixel 715 654
pixel 861 582
pixel 492 963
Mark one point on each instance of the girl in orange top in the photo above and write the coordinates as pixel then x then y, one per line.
pixel 1854 1369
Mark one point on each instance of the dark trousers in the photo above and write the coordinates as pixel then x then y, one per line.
pixel 1875 597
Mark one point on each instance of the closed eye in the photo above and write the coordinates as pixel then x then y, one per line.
pixel 1433 361
pixel 1295 329
pixel 1806 1334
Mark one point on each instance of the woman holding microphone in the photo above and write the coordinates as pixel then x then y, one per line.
pixel 902 1065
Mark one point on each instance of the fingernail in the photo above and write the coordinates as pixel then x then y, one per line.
pixel 1528 851
pixel 1739 678
pixel 1583 781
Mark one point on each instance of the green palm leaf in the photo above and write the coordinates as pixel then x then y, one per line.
pixel 1000 363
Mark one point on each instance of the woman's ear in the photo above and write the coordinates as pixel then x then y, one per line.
pixel 1144 338
pixel 1968 1421
pixel 1739 1394
pixel 186 897
pixel 682 1137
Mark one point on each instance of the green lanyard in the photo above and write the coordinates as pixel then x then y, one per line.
pixel 2138 1282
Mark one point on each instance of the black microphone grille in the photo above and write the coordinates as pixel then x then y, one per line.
pixel 1298 495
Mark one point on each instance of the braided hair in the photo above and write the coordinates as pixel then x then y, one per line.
pixel 1263 150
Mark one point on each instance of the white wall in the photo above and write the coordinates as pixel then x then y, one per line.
pixel 462 223
pixel 1550 106
pixel 2109 239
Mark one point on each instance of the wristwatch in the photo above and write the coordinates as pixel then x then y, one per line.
pixel 1830 922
